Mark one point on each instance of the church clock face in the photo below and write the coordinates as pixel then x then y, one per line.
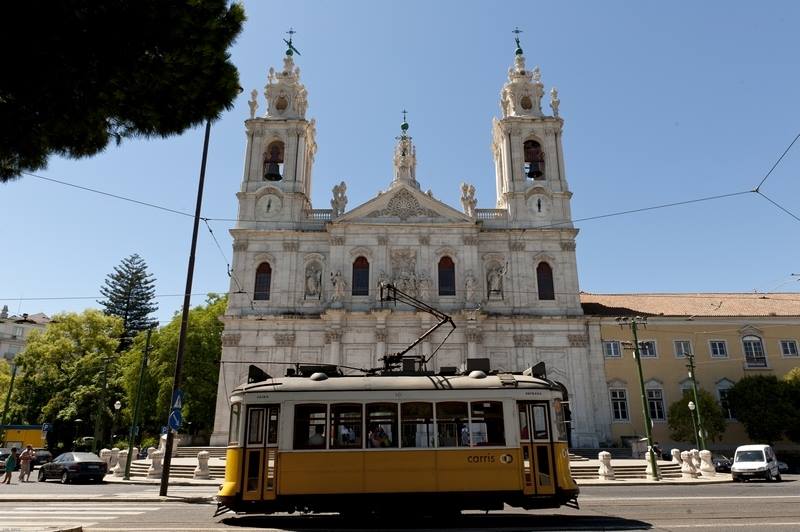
pixel 269 206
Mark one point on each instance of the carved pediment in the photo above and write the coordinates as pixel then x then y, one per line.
pixel 405 204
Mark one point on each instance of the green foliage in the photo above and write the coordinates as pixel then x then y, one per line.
pixel 68 372
pixel 5 380
pixel 149 441
pixel 129 294
pixel 81 73
pixel 761 403
pixel 792 383
pixel 680 419
pixel 200 369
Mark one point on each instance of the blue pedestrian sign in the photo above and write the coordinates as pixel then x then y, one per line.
pixel 177 399
pixel 164 429
pixel 175 419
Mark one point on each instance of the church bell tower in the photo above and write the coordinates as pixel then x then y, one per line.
pixel 280 150
pixel 528 156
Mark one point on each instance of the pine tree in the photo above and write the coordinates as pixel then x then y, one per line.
pixel 129 294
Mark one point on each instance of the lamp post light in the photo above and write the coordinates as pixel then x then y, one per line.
pixel 692 407
pixel 117 406
pixel 700 432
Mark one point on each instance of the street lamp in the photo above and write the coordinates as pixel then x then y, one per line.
pixel 692 407
pixel 117 406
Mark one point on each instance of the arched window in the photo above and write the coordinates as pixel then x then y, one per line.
pixel 754 355
pixel 361 277
pixel 263 282
pixel 447 277
pixel 534 160
pixel 544 280
pixel 273 162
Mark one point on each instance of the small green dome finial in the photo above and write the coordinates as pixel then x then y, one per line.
pixel 516 32
pixel 404 125
pixel 290 51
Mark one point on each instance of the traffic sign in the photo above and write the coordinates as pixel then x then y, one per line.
pixel 177 399
pixel 175 419
pixel 164 429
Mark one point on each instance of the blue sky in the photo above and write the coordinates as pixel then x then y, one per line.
pixel 663 102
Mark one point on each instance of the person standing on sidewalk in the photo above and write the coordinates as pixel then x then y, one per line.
pixel 25 461
pixel 11 465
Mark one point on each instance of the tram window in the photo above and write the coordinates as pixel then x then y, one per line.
pixel 272 426
pixel 524 431
pixel 382 425
pixel 561 422
pixel 540 431
pixel 345 426
pixel 451 424
pixel 255 426
pixel 486 425
pixel 417 424
pixel 309 426
pixel 233 428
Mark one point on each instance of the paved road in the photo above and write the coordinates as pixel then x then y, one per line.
pixel 746 507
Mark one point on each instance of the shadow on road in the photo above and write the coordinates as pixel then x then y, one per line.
pixel 504 522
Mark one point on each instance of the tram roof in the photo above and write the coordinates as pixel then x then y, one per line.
pixel 398 382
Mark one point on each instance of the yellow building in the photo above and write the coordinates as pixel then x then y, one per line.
pixel 20 436
pixel 730 335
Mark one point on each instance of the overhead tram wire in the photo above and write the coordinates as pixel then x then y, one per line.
pixel 99 296
pixel 777 163
pixel 778 205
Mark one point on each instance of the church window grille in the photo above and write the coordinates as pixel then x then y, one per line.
pixel 273 161
pixel 361 277
pixel 544 280
pixel 534 159
pixel 263 282
pixel 447 277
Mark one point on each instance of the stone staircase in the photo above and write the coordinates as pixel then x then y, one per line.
pixel 617 453
pixel 191 452
pixel 139 469
pixel 633 471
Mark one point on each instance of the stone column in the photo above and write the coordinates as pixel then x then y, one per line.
pixel 334 338
pixel 201 471
pixel 474 337
pixel 155 465
pixel 119 469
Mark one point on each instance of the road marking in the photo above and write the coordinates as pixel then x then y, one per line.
pixel 730 525
pixel 698 498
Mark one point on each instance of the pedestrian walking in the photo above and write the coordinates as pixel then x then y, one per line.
pixel 11 465
pixel 25 463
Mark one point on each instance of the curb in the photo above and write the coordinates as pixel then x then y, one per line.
pixel 155 482
pixel 645 482
pixel 187 500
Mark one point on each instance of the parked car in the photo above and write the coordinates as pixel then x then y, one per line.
pixel 722 464
pixel 74 466
pixel 42 457
pixel 755 461
pixel 782 467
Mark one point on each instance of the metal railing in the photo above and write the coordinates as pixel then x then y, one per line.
pixel 320 215
pixel 491 214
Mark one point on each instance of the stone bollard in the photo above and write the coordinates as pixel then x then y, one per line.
pixel 707 468
pixel 605 471
pixel 105 456
pixel 175 442
pixel 676 456
pixel 155 465
pixel 135 454
pixel 201 471
pixel 652 465
pixel 114 457
pixel 119 469
pixel 150 451
pixel 696 459
pixel 687 467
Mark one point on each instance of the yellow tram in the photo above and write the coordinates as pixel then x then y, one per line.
pixel 319 441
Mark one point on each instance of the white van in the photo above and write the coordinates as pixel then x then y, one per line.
pixel 755 461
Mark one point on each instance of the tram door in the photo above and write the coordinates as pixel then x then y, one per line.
pixel 536 445
pixel 261 453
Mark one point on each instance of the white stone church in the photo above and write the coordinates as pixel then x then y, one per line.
pixel 305 281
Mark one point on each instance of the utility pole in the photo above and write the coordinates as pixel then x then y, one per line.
pixel 187 296
pixel 700 431
pixel 633 323
pixel 134 427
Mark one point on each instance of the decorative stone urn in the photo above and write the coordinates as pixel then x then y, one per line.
pixel 114 457
pixel 201 471
pixel 119 469
pixel 155 465
pixel 687 467
pixel 707 469
pixel 605 471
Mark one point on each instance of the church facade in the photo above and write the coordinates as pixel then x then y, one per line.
pixel 305 281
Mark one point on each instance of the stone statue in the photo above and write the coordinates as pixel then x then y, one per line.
pixel 676 456
pixel 470 287
pixel 253 103
pixel 424 284
pixel 707 468
pixel 687 467
pixel 468 201
pixel 605 471
pixel 339 201
pixel 339 286
pixel 313 287
pixel 494 280
pixel 382 279
pixel 554 101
